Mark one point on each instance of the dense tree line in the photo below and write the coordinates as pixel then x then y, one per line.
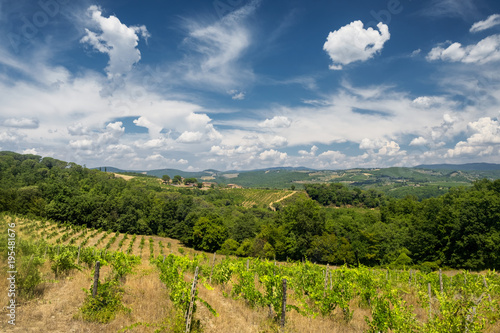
pixel 460 229
pixel 337 194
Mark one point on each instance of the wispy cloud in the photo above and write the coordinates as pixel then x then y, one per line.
pixel 216 50
pixel 486 50
pixel 489 23
pixel 464 9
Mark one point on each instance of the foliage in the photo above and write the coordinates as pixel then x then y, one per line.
pixel 342 225
pixel 104 306
pixel 63 263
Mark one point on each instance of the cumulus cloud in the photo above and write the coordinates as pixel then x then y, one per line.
pixel 385 147
pixel 273 156
pixel 115 39
pixel 420 141
pixel 31 151
pixel 354 43
pixel 370 144
pixel 311 153
pixel 485 139
pixel 276 122
pixel 78 129
pixel 333 156
pixel 154 129
pixel 485 51
pixel 190 137
pixel 490 22
pixel 96 141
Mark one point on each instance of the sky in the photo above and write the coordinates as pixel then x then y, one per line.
pixel 247 84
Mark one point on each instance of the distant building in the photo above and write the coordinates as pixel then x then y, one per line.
pixel 234 186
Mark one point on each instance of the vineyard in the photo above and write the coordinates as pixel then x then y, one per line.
pixel 153 284
pixel 259 197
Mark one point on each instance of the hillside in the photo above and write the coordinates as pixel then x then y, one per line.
pixel 461 167
pixel 423 181
pixel 89 215
pixel 154 280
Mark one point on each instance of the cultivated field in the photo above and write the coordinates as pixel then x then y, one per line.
pixel 145 285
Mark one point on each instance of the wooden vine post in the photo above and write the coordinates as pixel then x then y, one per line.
pixel 326 280
pixel 78 259
pixel 283 306
pixel 96 279
pixel 430 300
pixel 440 280
pixel 486 286
pixel 191 303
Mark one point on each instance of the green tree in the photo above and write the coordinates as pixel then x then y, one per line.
pixel 188 181
pixel 166 178
pixel 209 233
pixel 177 179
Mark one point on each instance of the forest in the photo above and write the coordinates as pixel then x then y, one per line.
pixel 332 224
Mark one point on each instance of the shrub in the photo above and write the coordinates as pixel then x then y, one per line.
pixel 63 263
pixel 105 305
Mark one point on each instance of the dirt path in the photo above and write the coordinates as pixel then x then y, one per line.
pixel 123 176
pixel 281 199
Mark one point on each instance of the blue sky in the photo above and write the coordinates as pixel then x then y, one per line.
pixel 242 84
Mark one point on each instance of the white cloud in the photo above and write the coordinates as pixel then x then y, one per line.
pixel 420 141
pixel 276 141
pixel 333 156
pixel 237 95
pixel 99 141
pixel 21 122
pixel 31 151
pixel 276 122
pixel 485 51
pixel 391 148
pixel 370 144
pixel 432 102
pixel 490 22
pixel 78 129
pixel 415 53
pixel 115 39
pixel 190 137
pixel 154 129
pixel 273 156
pixel 159 143
pixel 385 147
pixel 165 162
pixel 311 153
pixel 354 43
pixel 484 141
pixel 218 48
pixel 11 136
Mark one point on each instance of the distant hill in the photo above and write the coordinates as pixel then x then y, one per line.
pixel 461 167
pixel 421 181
